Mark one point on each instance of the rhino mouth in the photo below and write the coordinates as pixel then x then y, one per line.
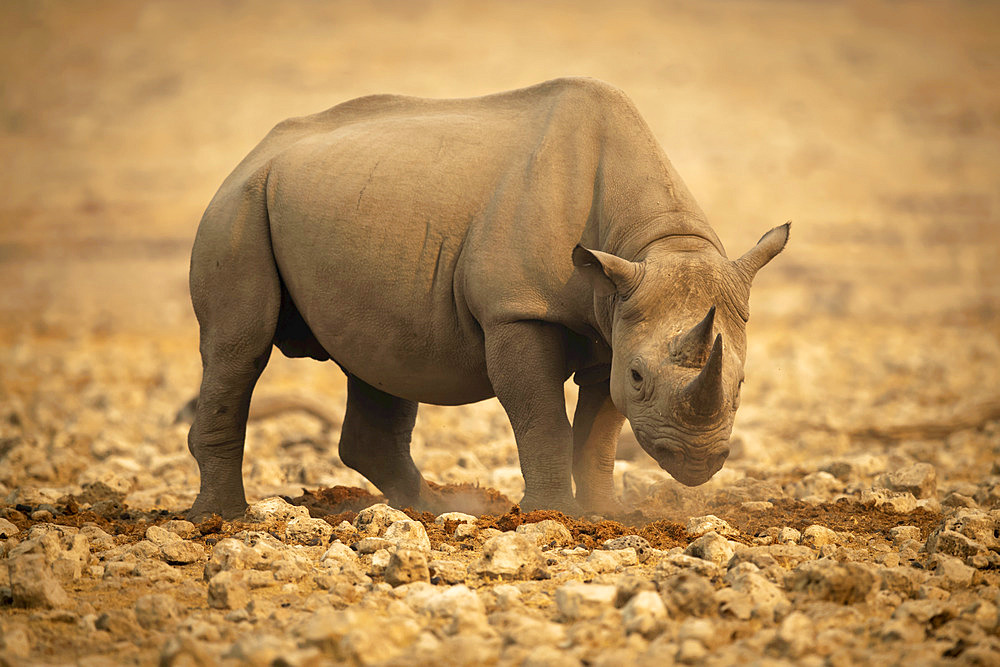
pixel 687 469
pixel 692 475
pixel 689 463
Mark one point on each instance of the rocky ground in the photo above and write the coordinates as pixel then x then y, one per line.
pixel 857 520
pixel 830 569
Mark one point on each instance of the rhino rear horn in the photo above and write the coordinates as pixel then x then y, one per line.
pixel 705 393
pixel 766 249
pixel 693 346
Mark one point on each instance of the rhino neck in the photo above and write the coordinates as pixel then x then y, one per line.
pixel 639 198
pixel 629 224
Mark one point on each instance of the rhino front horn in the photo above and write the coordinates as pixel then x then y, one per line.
pixel 705 393
pixel 692 347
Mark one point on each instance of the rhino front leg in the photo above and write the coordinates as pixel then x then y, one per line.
pixel 375 441
pixel 526 362
pixel 596 427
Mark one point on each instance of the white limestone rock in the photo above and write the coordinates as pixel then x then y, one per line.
pixel 231 554
pixel 510 556
pixel 229 589
pixel 458 607
pixel 406 566
pixel 309 531
pixel 919 479
pixel 645 614
pixel 274 509
pixel 577 600
pixel 182 552
pixel 699 525
pixel 641 545
pixel 408 534
pixel 817 536
pixel 160 536
pixel 181 528
pixel 611 560
pixel 766 600
pixel 547 534
pixel 459 517
pixel 901 534
pixel 338 552
pixel 712 547
pixel 373 521
pixel 447 571
pixel 825 579
pixel 32 584
pixel 157 611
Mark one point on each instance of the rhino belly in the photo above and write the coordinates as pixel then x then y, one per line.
pixel 396 348
pixel 380 298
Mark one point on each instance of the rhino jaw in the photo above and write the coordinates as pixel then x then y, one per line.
pixel 689 475
pixel 688 470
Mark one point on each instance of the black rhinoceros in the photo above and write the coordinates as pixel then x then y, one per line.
pixel 447 251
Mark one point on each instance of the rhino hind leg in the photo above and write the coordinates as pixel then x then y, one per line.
pixel 375 441
pixel 597 424
pixel 236 294
pixel 218 433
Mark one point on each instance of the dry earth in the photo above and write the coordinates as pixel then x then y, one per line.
pixel 858 520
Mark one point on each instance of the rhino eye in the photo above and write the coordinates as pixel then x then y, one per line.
pixel 637 376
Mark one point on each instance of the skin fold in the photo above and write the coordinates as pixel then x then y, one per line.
pixel 448 251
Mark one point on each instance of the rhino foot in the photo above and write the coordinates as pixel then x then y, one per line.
pixel 203 509
pixel 425 500
pixel 609 506
pixel 566 505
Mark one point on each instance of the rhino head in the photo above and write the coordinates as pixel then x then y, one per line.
pixel 678 339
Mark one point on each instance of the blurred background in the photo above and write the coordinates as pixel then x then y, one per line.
pixel 874 126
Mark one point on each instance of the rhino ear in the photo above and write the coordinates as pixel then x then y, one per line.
pixel 606 273
pixel 769 245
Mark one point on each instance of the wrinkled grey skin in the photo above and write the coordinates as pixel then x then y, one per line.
pixel 447 251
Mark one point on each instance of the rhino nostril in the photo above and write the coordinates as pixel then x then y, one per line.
pixel 718 460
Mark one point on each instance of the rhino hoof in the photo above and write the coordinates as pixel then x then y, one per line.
pixel 603 507
pixel 204 510
pixel 565 505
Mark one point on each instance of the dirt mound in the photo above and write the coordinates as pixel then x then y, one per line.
pixel 843 515
pixel 661 534
pixel 335 500
pixel 472 498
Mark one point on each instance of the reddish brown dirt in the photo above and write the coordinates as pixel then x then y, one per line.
pixel 335 500
pixel 341 503
pixel 843 515
pixel 473 498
